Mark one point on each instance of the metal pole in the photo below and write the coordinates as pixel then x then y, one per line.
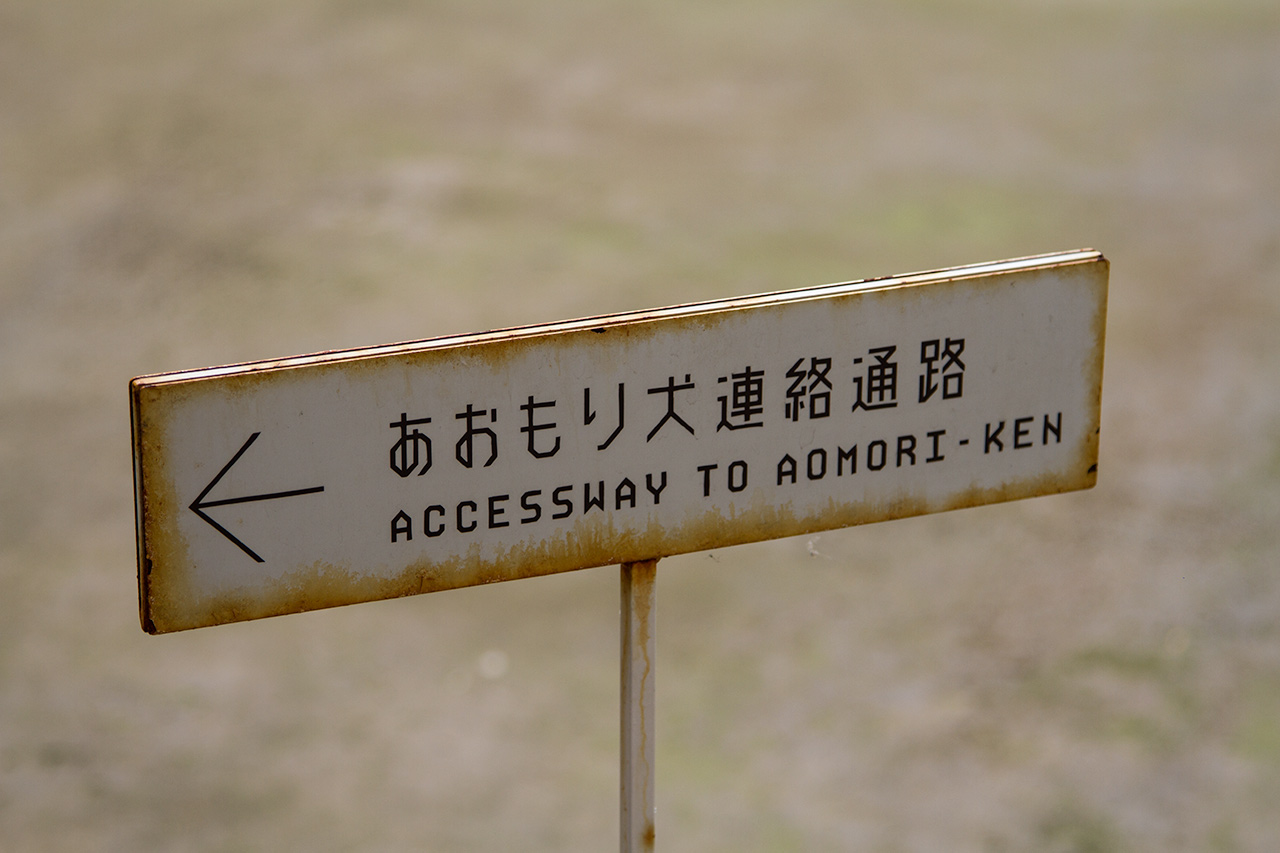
pixel 639 648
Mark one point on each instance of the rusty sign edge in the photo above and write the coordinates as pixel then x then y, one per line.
pixel 691 309
pixel 531 566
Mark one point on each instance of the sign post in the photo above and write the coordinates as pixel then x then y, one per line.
pixel 316 481
pixel 639 660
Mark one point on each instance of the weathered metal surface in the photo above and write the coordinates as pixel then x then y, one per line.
pixel 309 482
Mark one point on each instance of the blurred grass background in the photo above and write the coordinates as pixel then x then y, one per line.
pixel 184 184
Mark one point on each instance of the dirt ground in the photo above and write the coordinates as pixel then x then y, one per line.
pixel 185 184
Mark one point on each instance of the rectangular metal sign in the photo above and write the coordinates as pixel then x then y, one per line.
pixel 316 481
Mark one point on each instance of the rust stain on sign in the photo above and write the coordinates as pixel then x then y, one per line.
pixel 316 481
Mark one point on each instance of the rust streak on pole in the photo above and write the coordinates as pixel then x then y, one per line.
pixel 639 647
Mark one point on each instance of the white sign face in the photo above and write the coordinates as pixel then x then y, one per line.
pixel 316 481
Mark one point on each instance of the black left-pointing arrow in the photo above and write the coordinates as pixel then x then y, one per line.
pixel 199 505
